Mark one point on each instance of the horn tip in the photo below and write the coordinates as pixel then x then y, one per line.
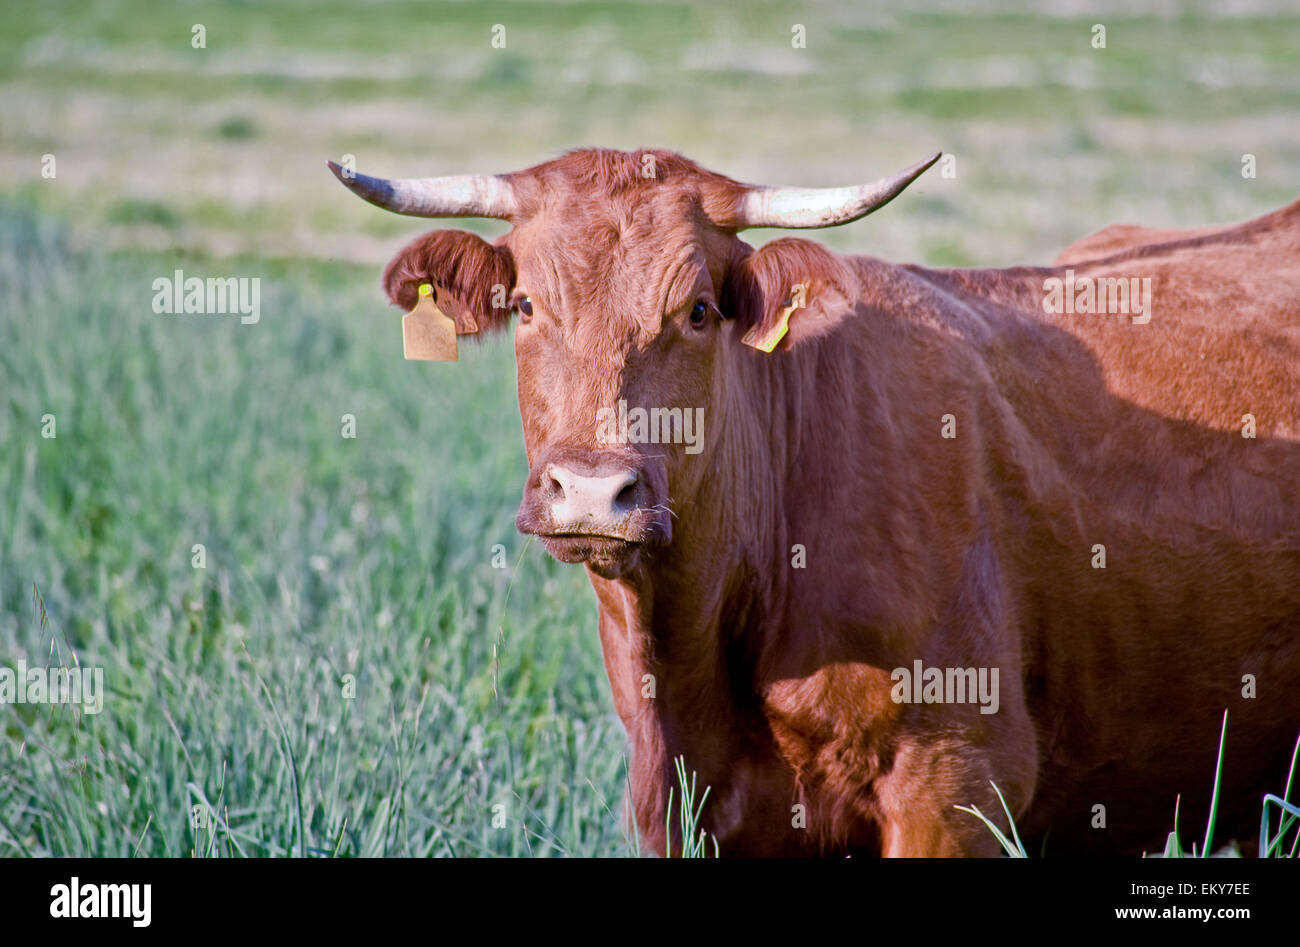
pixel 376 191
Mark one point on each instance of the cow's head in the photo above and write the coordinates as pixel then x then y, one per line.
pixel 630 292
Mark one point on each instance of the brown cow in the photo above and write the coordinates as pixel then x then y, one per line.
pixel 927 467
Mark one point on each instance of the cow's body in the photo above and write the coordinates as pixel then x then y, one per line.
pixel 1072 431
pixel 830 534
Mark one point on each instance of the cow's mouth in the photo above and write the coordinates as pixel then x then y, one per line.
pixel 607 556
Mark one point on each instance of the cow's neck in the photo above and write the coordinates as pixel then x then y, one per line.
pixel 682 676
pixel 822 467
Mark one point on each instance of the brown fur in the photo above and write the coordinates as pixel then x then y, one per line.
pixel 1120 237
pixel 774 682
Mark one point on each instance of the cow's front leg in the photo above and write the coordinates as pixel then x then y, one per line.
pixel 918 797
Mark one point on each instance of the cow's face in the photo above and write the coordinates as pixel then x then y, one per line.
pixel 619 324
pixel 629 291
pixel 619 320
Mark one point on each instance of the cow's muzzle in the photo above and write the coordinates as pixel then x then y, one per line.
pixel 600 508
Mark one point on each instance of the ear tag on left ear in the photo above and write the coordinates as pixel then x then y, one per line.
pixel 766 341
pixel 428 334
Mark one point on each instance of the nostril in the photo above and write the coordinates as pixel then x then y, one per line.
pixel 627 495
pixel 553 484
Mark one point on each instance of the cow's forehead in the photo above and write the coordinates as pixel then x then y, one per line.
pixel 594 250
pixel 643 223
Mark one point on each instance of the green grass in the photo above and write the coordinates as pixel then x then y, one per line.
pixel 1013 847
pixel 325 557
pixel 695 841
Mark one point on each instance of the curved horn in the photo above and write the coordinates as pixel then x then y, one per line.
pixel 822 206
pixel 465 195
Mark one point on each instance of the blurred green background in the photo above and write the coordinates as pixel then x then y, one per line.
pixel 477 687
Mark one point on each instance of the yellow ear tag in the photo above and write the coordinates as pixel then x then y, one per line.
pixel 428 334
pixel 767 342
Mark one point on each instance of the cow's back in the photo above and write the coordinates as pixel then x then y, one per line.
pixel 1223 336
pixel 1118 238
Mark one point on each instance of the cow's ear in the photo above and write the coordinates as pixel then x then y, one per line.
pixel 786 290
pixel 472 278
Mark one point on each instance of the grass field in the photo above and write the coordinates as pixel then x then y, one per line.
pixel 480 695
pixel 325 556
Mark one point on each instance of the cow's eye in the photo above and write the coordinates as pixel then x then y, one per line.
pixel 524 306
pixel 700 314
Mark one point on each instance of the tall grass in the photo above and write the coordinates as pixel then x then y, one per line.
pixel 481 722
pixel 695 842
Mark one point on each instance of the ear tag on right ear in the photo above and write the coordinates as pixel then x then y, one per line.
pixel 428 334
pixel 766 341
